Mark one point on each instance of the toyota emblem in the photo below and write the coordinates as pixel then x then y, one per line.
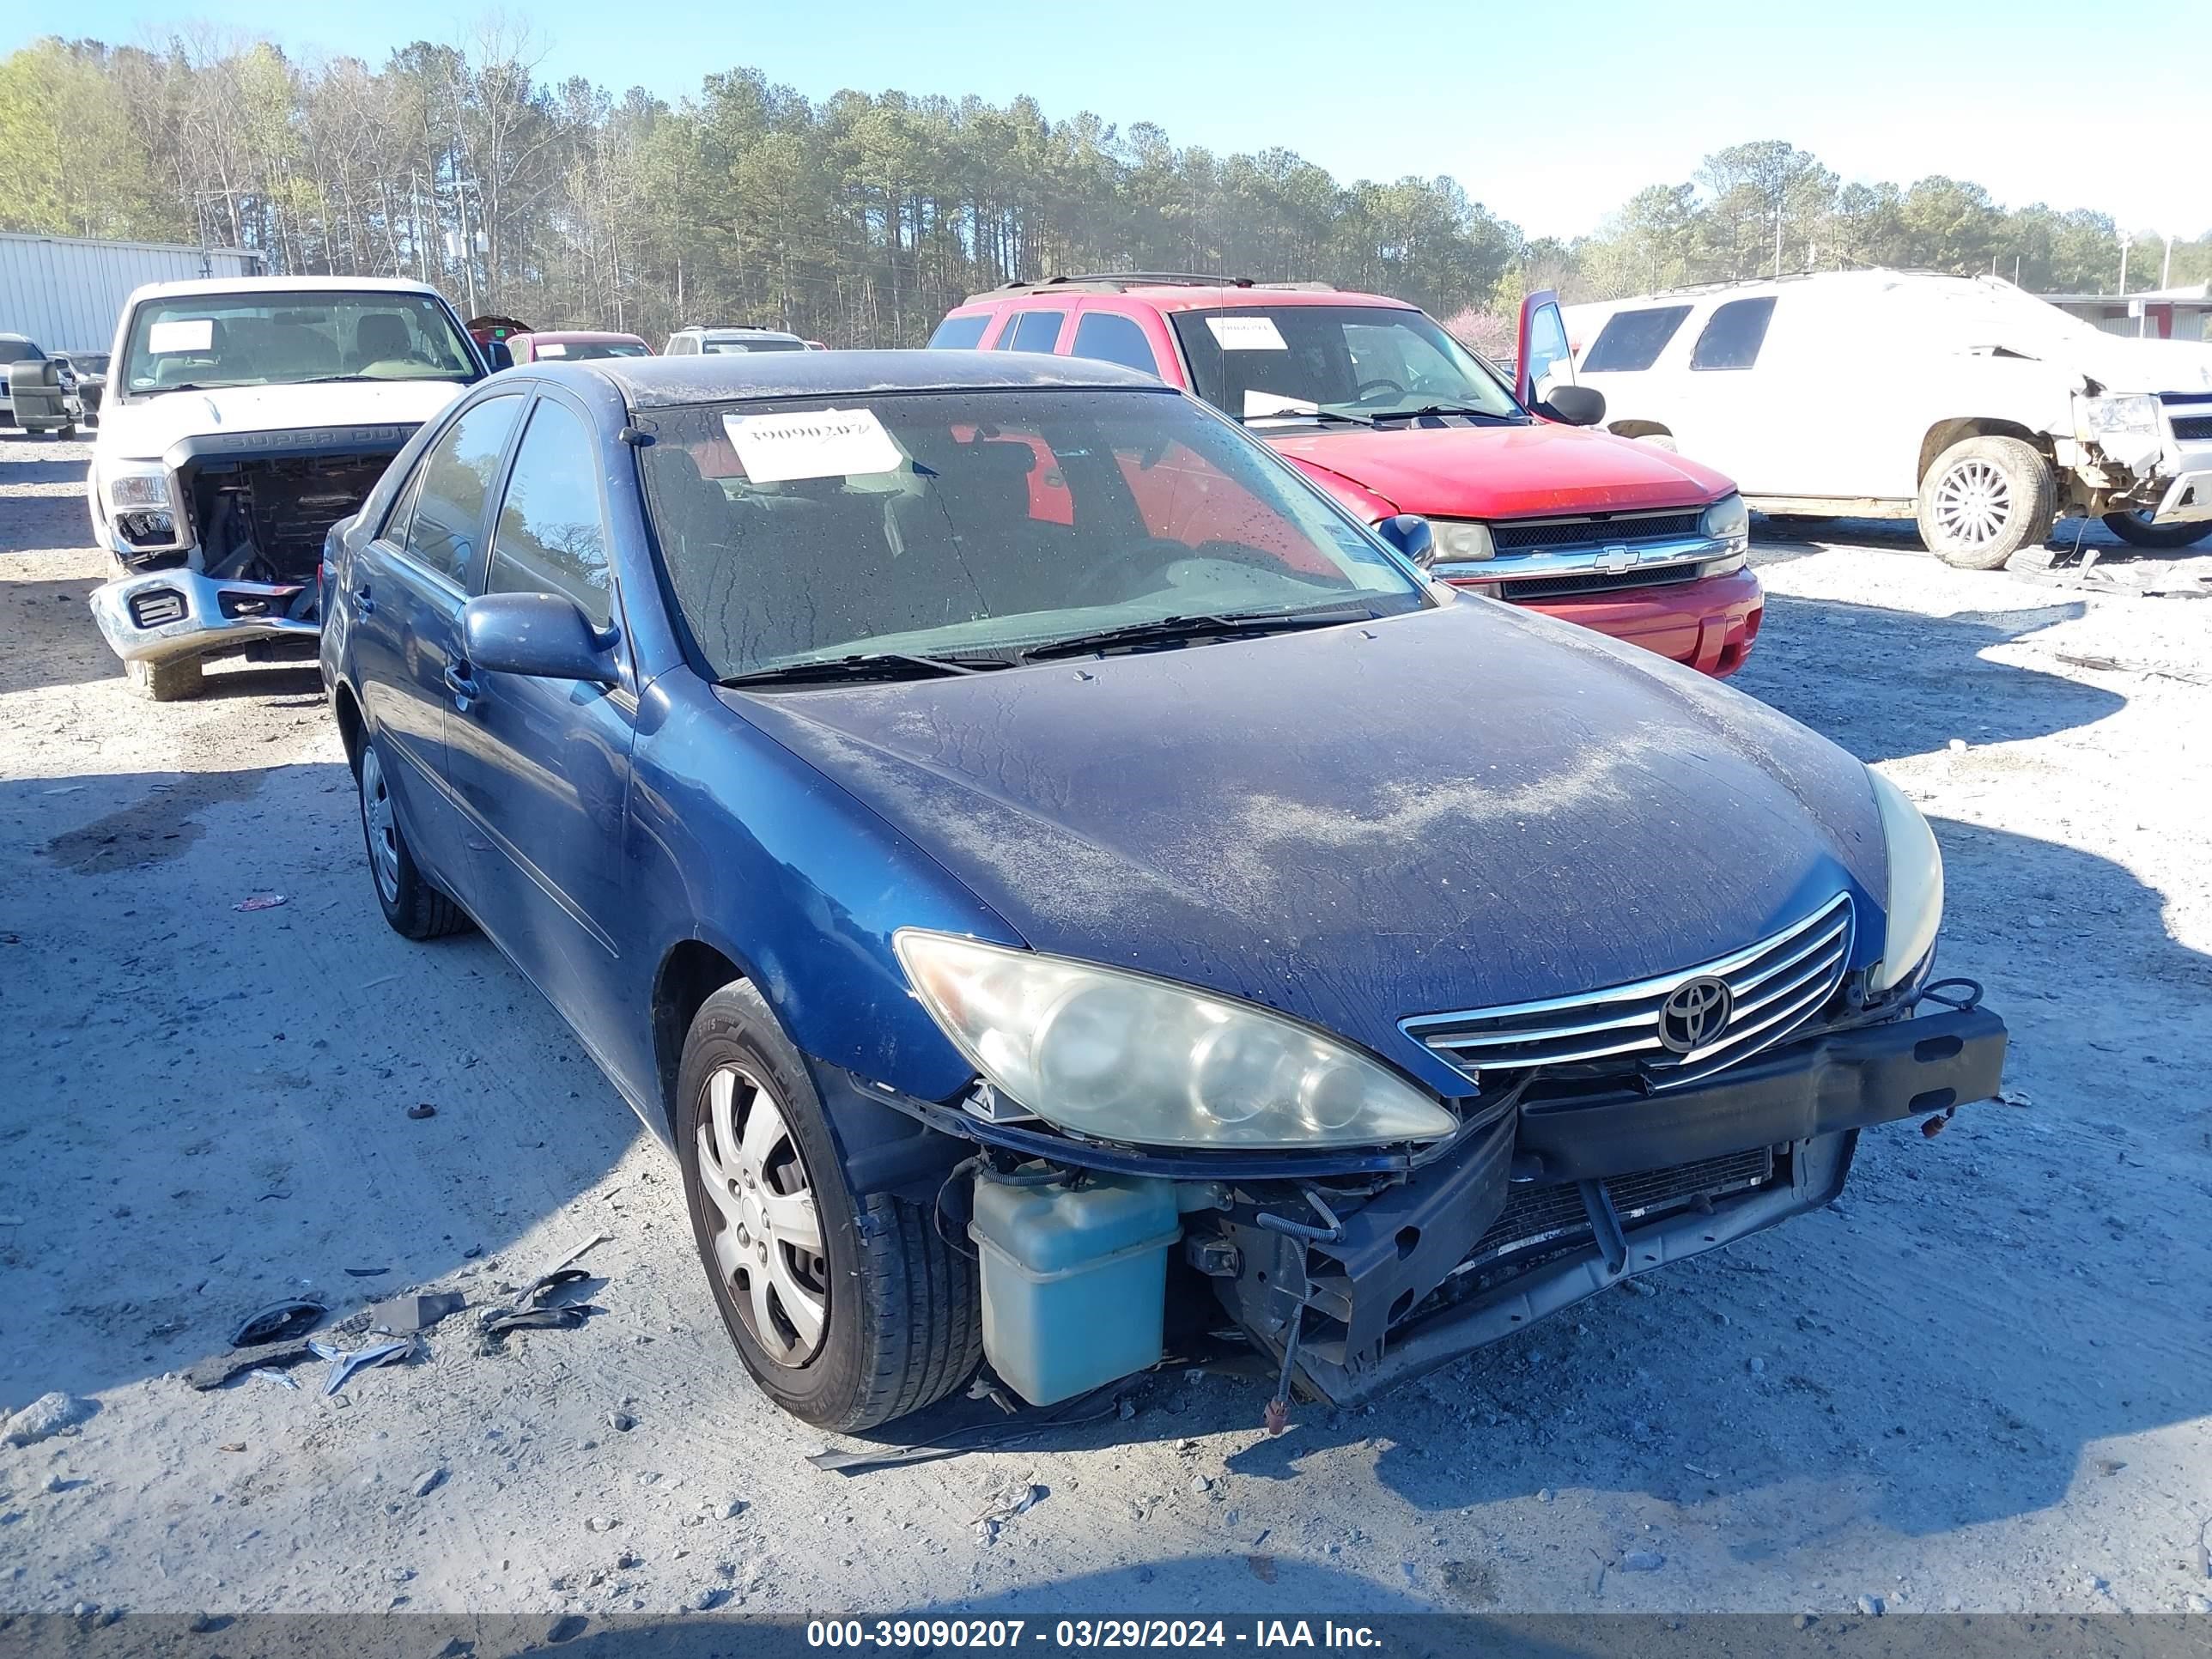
pixel 1696 1014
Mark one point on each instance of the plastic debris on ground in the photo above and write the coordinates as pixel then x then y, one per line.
pixel 280 1322
pixel 345 1361
pixel 403 1315
pixel 260 901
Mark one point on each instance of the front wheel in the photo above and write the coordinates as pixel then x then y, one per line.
pixel 847 1311
pixel 410 900
pixel 1985 498
pixel 166 682
pixel 2136 529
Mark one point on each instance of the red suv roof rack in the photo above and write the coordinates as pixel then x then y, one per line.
pixel 1116 282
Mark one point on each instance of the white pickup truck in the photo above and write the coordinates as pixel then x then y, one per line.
pixel 243 417
pixel 1961 402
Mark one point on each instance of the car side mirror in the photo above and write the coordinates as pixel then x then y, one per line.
pixel 545 635
pixel 499 356
pixel 1410 534
pixel 1573 405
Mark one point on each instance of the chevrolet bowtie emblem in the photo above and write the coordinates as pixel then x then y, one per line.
pixel 1615 558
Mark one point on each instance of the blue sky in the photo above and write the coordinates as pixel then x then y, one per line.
pixel 1550 114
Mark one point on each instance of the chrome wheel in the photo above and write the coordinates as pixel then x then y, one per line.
pixel 1973 502
pixel 382 829
pixel 768 1245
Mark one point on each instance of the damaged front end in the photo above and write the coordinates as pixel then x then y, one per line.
pixel 221 542
pixel 2145 455
pixel 1358 1268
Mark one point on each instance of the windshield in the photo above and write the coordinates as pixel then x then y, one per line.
pixel 806 529
pixel 264 338
pixel 1287 363
pixel 572 349
pixel 755 342
pixel 20 351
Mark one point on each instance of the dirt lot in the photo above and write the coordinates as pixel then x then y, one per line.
pixel 1982 1381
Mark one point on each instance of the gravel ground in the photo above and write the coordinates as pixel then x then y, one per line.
pixel 1982 1381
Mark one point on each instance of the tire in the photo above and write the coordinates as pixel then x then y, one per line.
pixel 166 682
pixel 411 901
pixel 884 1317
pixel 2139 531
pixel 66 432
pixel 1984 500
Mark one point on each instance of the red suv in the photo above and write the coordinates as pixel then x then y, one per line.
pixel 1374 401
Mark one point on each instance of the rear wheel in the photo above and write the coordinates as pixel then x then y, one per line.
pixel 166 682
pixel 847 1311
pixel 409 901
pixel 2138 529
pixel 1985 498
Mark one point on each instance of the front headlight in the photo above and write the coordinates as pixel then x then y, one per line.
pixel 1915 908
pixel 1727 519
pixel 1462 543
pixel 1128 1057
pixel 135 484
pixel 2106 418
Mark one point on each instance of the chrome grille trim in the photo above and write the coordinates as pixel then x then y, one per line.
pixel 1776 985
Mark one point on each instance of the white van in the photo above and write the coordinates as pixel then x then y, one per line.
pixel 1959 401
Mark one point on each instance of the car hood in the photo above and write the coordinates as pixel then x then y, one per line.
pixel 2117 364
pixel 144 428
pixel 1506 471
pixel 1455 808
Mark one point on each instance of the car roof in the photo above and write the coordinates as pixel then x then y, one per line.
pixel 1185 295
pixel 666 382
pixel 733 331
pixel 575 336
pixel 1872 278
pixel 282 285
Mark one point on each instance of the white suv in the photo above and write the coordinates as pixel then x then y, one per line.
pixel 1962 402
pixel 693 341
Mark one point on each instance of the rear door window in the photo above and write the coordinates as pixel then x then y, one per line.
pixel 1107 337
pixel 1733 334
pixel 449 506
pixel 1032 330
pixel 551 537
pixel 960 333
pixel 1633 340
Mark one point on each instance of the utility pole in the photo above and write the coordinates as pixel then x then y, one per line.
pixel 2126 242
pixel 1777 239
pixel 2166 271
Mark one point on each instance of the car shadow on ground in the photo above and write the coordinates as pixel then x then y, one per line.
pixel 206 1103
pixel 22 467
pixel 1887 684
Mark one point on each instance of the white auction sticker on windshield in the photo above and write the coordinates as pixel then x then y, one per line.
pixel 827 443
pixel 550 348
pixel 1247 334
pixel 193 334
pixel 1274 403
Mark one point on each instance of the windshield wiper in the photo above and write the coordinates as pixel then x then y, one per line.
pixel 1307 414
pixel 1170 630
pixel 1443 409
pixel 863 665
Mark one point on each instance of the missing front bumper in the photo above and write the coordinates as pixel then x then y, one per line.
pixel 165 615
pixel 1461 1254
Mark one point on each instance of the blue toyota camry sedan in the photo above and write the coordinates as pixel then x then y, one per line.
pixel 1046 870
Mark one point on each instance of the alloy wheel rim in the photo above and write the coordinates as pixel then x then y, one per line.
pixel 383 829
pixel 1973 502
pixel 767 1242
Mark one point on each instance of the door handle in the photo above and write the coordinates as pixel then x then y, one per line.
pixel 362 601
pixel 460 682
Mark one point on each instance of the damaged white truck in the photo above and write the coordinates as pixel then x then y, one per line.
pixel 1982 412
pixel 244 417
